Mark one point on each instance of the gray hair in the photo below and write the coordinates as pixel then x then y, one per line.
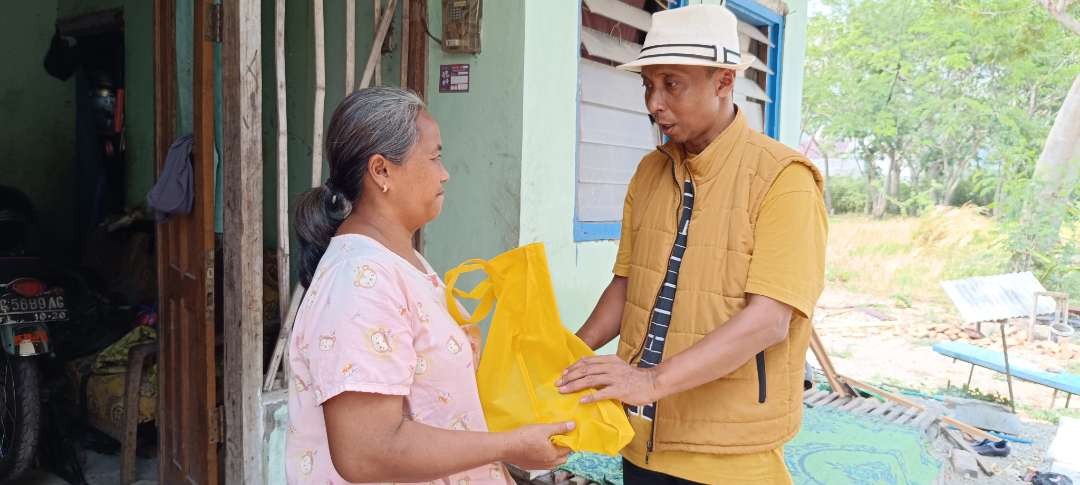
pixel 369 122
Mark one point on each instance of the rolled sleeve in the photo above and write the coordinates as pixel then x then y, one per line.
pixel 788 263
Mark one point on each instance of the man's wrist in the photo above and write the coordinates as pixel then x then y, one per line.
pixel 659 378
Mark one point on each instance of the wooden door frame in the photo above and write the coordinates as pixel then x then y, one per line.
pixel 164 131
pixel 241 64
pixel 205 419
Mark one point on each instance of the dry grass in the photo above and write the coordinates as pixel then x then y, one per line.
pixel 906 259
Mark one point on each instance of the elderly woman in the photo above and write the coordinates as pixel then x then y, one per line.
pixel 383 383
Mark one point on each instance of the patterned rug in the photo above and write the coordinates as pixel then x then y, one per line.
pixel 832 447
pixel 837 447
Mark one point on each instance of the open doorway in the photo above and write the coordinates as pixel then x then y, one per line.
pixel 78 330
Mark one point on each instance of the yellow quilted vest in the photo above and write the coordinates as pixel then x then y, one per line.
pixel 731 178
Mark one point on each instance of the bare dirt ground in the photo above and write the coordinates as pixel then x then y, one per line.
pixel 874 340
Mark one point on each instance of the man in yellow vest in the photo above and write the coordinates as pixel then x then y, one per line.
pixel 720 264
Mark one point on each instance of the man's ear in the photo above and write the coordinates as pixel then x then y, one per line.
pixel 724 80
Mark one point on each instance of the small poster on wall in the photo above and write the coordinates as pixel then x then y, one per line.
pixel 454 78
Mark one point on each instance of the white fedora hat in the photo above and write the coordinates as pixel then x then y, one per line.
pixel 697 35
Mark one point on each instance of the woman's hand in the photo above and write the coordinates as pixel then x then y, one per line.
pixel 530 447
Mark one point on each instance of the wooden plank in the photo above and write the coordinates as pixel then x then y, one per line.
pixel 350 46
pixel 602 45
pixel 962 426
pixel 320 94
pixel 242 115
pixel 828 399
pixel 813 395
pixel 621 12
pixel 840 402
pixel 822 398
pixel 868 406
pixel 905 415
pixel 164 130
pixel 884 409
pixel 826 364
pixel 376 51
pixel 853 404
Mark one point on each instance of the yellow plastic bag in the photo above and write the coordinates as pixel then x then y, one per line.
pixel 527 350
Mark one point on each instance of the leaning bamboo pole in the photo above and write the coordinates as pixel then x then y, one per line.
pixel 283 160
pixel 405 21
pixel 350 45
pixel 377 9
pixel 320 94
pixel 376 48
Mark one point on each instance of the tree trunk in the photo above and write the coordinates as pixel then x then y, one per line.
pixel 892 187
pixel 999 189
pixel 1056 174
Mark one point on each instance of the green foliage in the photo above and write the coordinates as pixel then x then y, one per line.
pixel 848 194
pixel 960 95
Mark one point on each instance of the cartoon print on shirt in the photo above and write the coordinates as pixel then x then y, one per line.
pixel 460 424
pixel 424 318
pixel 421 365
pixel 326 342
pixel 380 341
pixel 365 277
pixel 307 462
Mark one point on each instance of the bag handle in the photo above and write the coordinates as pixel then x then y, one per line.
pixel 484 292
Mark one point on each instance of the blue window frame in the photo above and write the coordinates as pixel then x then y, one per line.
pixel 755 14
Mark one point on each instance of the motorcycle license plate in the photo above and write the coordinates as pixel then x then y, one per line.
pixel 45 308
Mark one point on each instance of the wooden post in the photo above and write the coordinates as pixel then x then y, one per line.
pixel 320 94
pixel 242 160
pixel 405 21
pixel 350 46
pixel 418 44
pixel 376 52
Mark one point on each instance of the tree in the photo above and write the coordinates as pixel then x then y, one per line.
pixel 1058 168
pixel 934 93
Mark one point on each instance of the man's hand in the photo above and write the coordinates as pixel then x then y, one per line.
pixel 613 379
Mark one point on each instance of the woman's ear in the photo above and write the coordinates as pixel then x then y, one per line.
pixel 379 169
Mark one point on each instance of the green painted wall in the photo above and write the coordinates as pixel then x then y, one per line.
pixel 139 85
pixel 482 138
pixel 300 90
pixel 37 134
pixel 37 137
pixel 580 271
pixel 793 71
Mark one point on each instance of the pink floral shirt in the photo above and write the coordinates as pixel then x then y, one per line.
pixel 372 322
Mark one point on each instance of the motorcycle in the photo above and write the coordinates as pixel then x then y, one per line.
pixel 29 303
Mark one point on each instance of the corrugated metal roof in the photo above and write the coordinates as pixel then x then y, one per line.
pixel 999 297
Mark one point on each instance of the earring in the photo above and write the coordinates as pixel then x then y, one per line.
pixel 385 188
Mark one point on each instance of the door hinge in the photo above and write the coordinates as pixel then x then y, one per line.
pixel 217 423
pixel 214 24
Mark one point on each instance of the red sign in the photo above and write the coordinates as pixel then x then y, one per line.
pixel 454 78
